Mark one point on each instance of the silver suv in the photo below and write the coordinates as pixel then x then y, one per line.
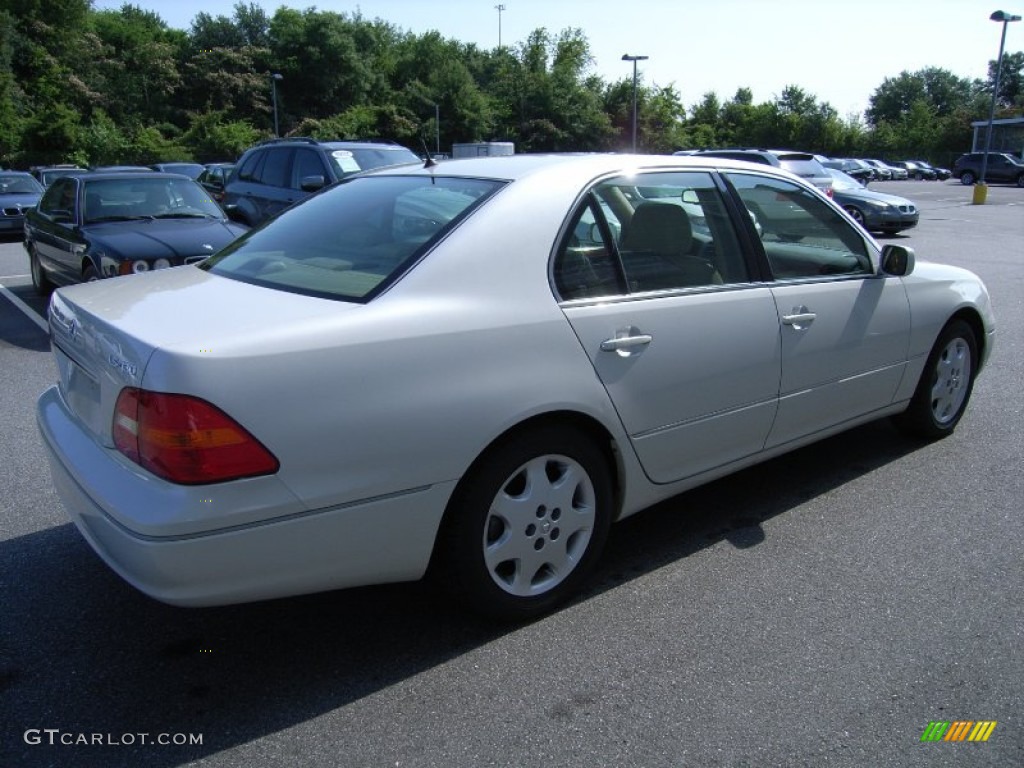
pixel 803 164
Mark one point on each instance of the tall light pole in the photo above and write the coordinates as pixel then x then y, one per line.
pixel 980 189
pixel 499 8
pixel 634 59
pixel 273 91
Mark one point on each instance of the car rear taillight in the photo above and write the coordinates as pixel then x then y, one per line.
pixel 186 440
pixel 828 191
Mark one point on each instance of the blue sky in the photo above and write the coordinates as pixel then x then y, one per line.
pixel 837 50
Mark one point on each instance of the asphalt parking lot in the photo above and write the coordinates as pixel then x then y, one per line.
pixel 820 609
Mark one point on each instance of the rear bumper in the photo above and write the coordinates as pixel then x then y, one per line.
pixel 374 541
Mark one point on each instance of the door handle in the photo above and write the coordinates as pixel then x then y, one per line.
pixel 800 317
pixel 626 342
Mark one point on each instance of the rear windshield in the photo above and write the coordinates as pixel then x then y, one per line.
pixel 354 239
pixel 348 161
pixel 802 165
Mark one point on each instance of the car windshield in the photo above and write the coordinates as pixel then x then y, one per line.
pixel 353 240
pixel 353 160
pixel 147 198
pixel 19 185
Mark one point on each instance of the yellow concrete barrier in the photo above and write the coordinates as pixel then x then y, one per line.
pixel 980 193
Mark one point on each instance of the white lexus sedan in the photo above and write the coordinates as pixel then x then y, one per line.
pixel 471 369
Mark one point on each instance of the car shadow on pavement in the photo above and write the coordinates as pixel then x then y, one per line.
pixel 84 653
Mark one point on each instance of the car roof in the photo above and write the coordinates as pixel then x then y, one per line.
pixel 133 175
pixel 583 166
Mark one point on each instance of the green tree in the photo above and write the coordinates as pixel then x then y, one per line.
pixel 1011 80
pixel 939 89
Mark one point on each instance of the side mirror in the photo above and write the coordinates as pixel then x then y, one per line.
pixel 312 183
pixel 897 260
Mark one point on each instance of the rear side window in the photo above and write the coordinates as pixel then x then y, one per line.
pixel 656 232
pixel 355 239
pixel 275 170
pixel 248 169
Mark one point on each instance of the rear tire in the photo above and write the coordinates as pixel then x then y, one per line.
pixel 946 383
pixel 527 524
pixel 40 282
pixel 1020 180
pixel 967 178
pixel 90 275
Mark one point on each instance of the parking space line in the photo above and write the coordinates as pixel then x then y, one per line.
pixel 32 315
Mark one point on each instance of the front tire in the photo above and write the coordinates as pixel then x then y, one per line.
pixel 946 383
pixel 527 524
pixel 855 213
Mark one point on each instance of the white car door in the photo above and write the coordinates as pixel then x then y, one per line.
pixel 844 328
pixel 654 283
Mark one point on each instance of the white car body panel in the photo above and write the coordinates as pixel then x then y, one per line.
pixel 684 403
pixel 846 361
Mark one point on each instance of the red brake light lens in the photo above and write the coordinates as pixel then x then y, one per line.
pixel 186 440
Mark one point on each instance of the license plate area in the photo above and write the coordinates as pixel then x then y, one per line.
pixel 81 390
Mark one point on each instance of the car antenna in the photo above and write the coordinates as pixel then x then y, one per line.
pixel 431 162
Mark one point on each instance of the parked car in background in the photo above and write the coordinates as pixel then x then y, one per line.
pixel 898 173
pixel 276 173
pixel 862 172
pixel 803 164
pixel 915 171
pixel 1002 167
pixel 940 173
pixel 213 177
pixel 192 170
pixel 470 370
pixel 882 171
pixel 19 192
pixel 45 174
pixel 106 224
pixel 875 211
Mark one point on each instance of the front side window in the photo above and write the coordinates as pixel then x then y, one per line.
pixel 655 232
pixel 355 239
pixel 802 235
pixel 306 163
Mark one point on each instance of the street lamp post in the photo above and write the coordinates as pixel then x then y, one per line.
pixel 981 188
pixel 499 8
pixel 273 92
pixel 634 59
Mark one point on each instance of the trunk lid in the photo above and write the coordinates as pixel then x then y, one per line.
pixel 105 333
